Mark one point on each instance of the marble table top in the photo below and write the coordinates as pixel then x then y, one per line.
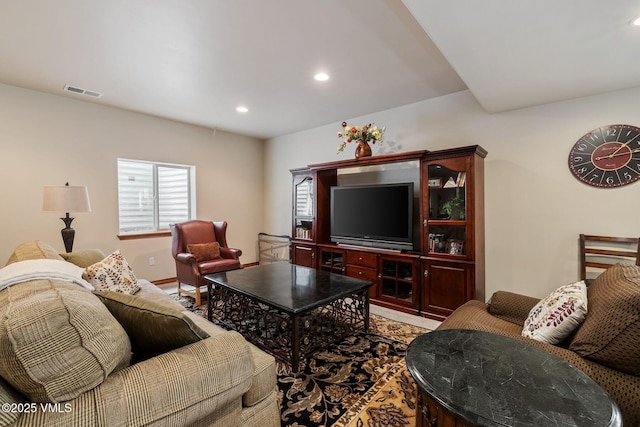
pixel 492 380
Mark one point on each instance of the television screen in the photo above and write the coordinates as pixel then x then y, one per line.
pixel 373 215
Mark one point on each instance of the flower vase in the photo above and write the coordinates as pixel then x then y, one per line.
pixel 363 149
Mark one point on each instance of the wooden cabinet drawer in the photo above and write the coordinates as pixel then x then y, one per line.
pixel 362 259
pixel 362 273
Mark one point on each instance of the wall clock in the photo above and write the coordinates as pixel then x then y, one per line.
pixel 607 157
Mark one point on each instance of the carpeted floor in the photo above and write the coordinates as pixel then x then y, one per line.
pixel 361 381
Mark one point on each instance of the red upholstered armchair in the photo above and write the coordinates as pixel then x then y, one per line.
pixel 189 269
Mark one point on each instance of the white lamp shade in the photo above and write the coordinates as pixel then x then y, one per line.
pixel 66 198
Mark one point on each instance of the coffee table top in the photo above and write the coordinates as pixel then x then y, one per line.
pixel 291 288
pixel 492 380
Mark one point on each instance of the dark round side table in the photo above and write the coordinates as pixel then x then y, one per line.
pixel 474 378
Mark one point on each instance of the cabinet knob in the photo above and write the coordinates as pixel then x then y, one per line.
pixel 426 273
pixel 379 275
pixel 424 222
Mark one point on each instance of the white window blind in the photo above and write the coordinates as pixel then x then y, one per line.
pixel 151 196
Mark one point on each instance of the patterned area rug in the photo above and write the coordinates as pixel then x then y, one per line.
pixel 361 381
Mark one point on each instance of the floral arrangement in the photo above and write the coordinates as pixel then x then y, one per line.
pixel 365 133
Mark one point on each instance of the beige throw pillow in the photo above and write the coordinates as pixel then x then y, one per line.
pixel 57 340
pixel 113 274
pixel 557 315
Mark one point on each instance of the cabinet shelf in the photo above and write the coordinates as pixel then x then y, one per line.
pixel 447 222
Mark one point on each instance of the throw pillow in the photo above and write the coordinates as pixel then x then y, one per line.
pixel 152 328
pixel 84 258
pixel 57 340
pixel 113 274
pixel 204 251
pixel 557 315
pixel 610 334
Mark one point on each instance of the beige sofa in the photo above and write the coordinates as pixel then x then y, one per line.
pixel 606 346
pixel 66 361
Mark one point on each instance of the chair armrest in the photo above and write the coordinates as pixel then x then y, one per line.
pixel 511 307
pixel 230 253
pixel 186 258
pixel 215 371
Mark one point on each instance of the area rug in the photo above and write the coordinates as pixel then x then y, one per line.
pixel 361 381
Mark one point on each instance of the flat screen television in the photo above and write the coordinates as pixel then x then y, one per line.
pixel 378 216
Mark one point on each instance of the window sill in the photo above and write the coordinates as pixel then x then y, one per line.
pixel 144 235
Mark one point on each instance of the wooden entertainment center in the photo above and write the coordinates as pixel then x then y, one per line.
pixel 446 267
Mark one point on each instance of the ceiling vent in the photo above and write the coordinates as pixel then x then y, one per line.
pixel 78 90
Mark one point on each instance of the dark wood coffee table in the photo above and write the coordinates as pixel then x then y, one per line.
pixel 475 378
pixel 288 310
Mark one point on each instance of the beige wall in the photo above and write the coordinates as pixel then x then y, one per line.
pixel 49 140
pixel 535 208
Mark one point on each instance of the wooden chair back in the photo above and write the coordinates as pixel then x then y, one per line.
pixel 601 252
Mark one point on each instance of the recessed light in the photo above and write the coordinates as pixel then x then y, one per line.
pixel 635 21
pixel 321 77
pixel 242 109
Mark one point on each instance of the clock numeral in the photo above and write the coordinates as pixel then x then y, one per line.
pixel 627 176
pixel 582 170
pixel 594 177
pixel 577 160
pixel 582 147
pixel 610 180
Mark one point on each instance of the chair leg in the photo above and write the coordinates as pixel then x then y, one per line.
pixel 179 295
pixel 197 296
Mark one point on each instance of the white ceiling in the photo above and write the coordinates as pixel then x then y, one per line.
pixel 196 60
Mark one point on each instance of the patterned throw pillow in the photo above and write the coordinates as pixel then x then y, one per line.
pixel 112 274
pixel 557 315
pixel 204 251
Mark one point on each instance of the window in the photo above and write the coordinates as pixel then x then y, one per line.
pixel 151 196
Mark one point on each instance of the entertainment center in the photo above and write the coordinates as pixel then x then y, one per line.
pixel 422 244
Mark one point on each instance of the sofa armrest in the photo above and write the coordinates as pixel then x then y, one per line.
pixel 188 383
pixel 511 307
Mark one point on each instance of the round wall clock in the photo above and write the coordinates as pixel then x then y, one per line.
pixel 607 157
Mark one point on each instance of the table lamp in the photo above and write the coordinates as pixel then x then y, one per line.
pixel 66 198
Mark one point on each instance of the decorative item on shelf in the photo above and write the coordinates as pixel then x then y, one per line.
pixel 362 135
pixel 453 208
pixel 66 198
pixel 454 247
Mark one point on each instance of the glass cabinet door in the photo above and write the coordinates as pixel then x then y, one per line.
pixel 447 212
pixel 304 208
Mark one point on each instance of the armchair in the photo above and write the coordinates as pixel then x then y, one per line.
pixel 190 270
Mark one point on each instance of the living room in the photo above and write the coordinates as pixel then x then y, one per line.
pixel 534 207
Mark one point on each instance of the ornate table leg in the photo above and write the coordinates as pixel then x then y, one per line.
pixel 209 303
pixel 295 343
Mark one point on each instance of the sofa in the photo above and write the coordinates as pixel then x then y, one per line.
pixel 606 345
pixel 72 356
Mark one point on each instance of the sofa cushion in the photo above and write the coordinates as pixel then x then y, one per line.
pixel 57 340
pixel 611 331
pixel 34 249
pixel 558 314
pixel 204 251
pixel 153 328
pixel 84 258
pixel 113 274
